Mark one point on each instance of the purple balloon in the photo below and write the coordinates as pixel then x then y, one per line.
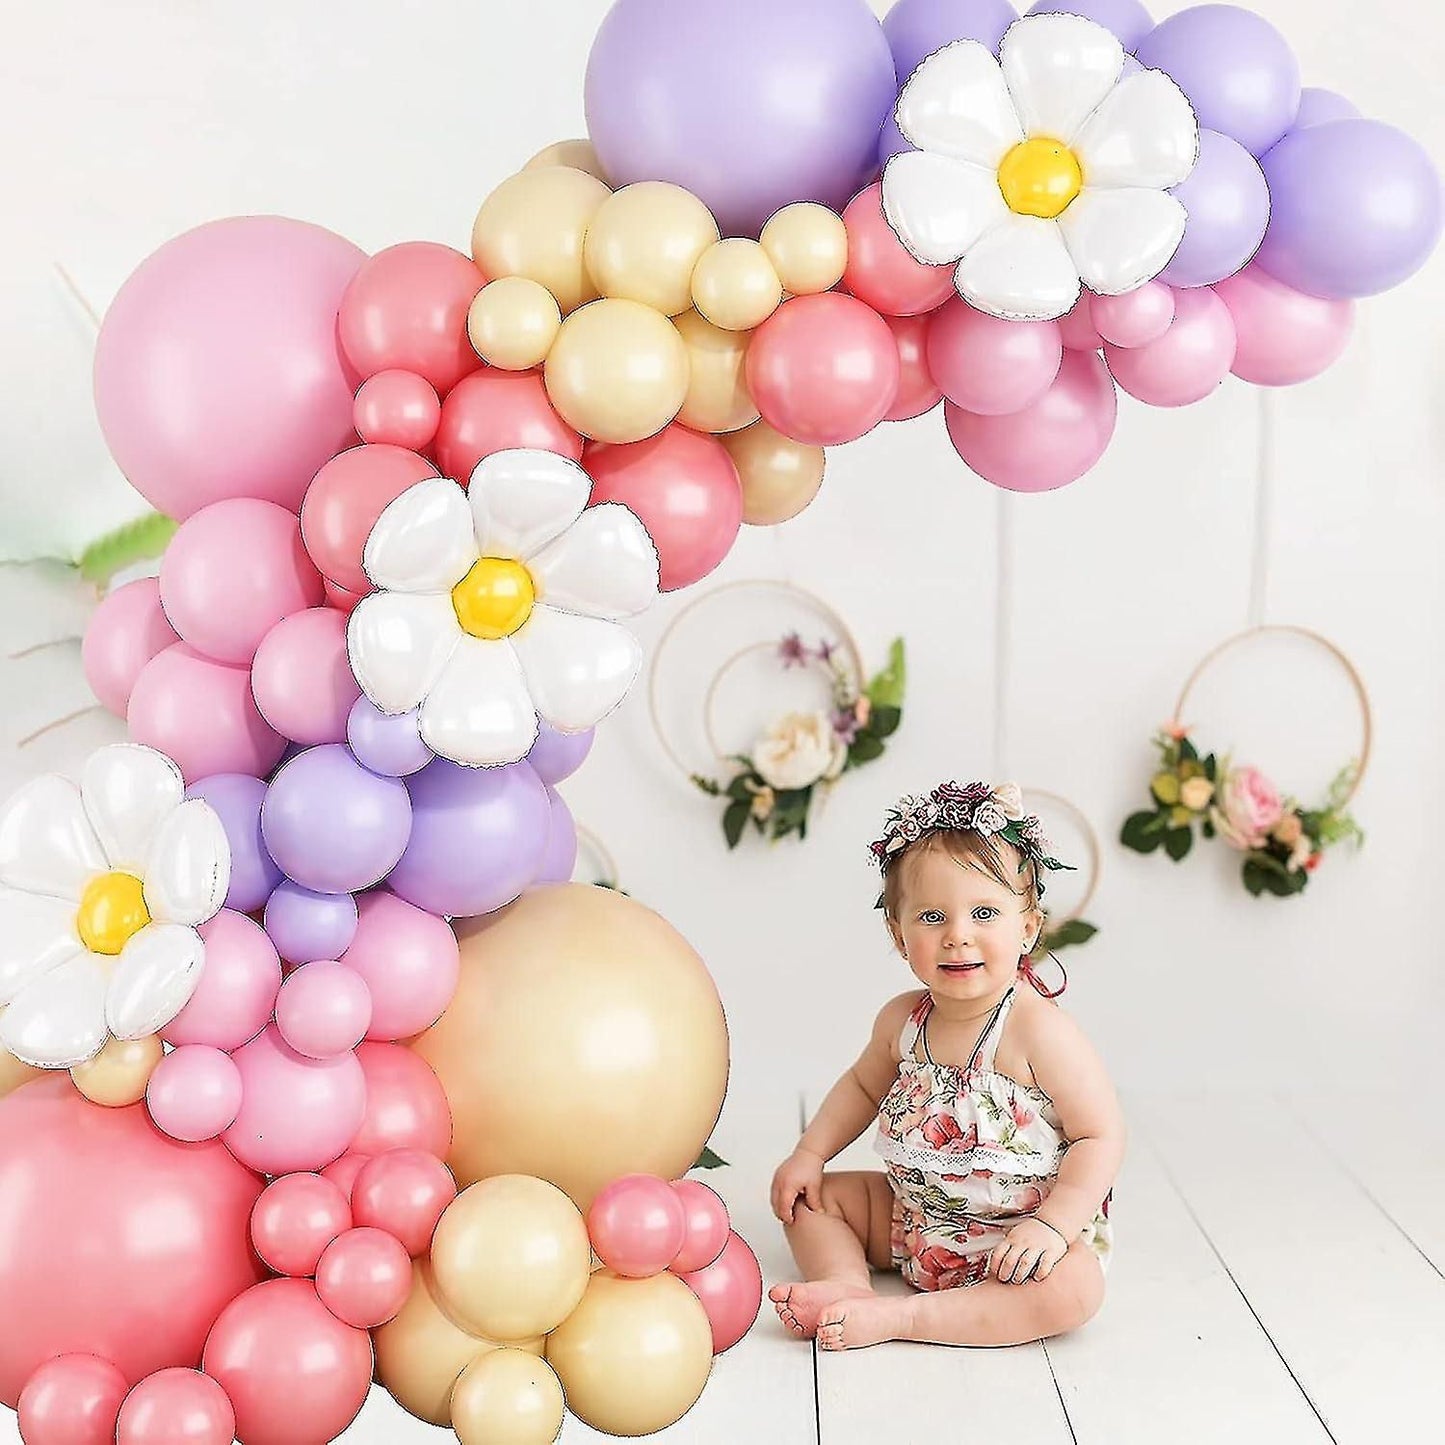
pixel 891 141
pixel 916 28
pixel 1318 106
pixel 1356 209
pixel 560 858
pixel 684 92
pixel 478 837
pixel 391 746
pixel 557 755
pixel 307 926
pixel 1227 201
pixel 1238 71
pixel 237 799
pixel 1127 19
pixel 333 826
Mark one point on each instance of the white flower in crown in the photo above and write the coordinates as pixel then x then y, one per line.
pixel 102 889
pixel 988 819
pixel 496 606
pixel 1041 168
pixel 1008 798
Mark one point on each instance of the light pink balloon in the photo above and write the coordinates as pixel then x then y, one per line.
pixel 1283 336
pixel 71 1400
pixel 194 1093
pixel 123 634
pixel 881 272
pixel 302 678
pixel 1188 361
pixel 731 1290
pixel 218 372
pixel 1135 318
pixel 637 1224
pixel 233 1001
pixel 398 408
pixel 364 1278
pixel 403 1192
pixel 917 390
pixel 990 366
pixel 409 960
pixel 176 1407
pixel 295 1219
pixel 1076 326
pixel 323 1010
pixel 708 1225
pixel 406 1107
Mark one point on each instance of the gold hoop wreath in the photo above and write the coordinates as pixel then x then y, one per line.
pixel 1283 840
pixel 1071 929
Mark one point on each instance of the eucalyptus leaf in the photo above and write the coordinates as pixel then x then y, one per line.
pixel 735 819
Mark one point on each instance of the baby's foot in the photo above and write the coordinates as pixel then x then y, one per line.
pixel 855 1323
pixel 798 1305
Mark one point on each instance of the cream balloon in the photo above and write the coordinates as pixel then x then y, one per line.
pixel 508 1397
pixel 717 390
pixel 534 224
pixel 632 1022
pixel 513 322
pixel 119 1073
pixel 579 154
pixel 779 476
pixel 808 246
pixel 13 1073
pixel 644 243
pixel 635 1355
pixel 735 285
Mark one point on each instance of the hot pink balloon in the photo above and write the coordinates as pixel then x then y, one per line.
pixel 409 960
pixel 637 1224
pixel 1076 326
pixel 295 1220
pixel 881 272
pixel 403 1192
pixel 406 1107
pixel 123 634
pixel 731 1291
pixel 301 678
pixel 990 366
pixel 1135 318
pixel 233 1001
pixel 708 1225
pixel 323 1010
pixel 1282 335
pixel 176 1407
pixel 1188 361
pixel 194 1093
pixel 72 1400
pixel 494 411
pixel 364 1278
pixel 398 408
pixel 917 390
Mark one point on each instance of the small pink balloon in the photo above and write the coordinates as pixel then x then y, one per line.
pixel 881 272
pixel 176 1407
pixel 731 1291
pixel 1185 364
pixel 323 1010
pixel 237 992
pixel 1076 326
pixel 339 598
pixel 398 408
pixel 494 411
pixel 71 1400
pixel 406 1107
pixel 1135 318
pixel 295 1219
pixel 917 390
pixel 990 366
pixel 194 1093
pixel 302 678
pixel 123 634
pixel 409 960
pixel 364 1278
pixel 637 1224
pixel 707 1225
pixel 344 1172
pixel 404 1193
pixel 1283 336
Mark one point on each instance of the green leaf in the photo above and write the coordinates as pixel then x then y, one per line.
pixel 738 789
pixel 709 787
pixel 883 721
pixel 138 541
pixel 1208 828
pixel 1187 751
pixel 734 821
pixel 708 1160
pixel 1142 832
pixel 1178 842
pixel 864 749
pixel 1069 935
pixel 1211 767
pixel 886 689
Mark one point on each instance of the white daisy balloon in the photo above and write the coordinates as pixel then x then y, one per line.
pixel 497 605
pixel 1040 169
pixel 102 889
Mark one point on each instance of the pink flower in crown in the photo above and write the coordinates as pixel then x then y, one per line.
pixel 1249 808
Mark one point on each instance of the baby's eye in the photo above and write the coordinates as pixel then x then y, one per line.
pixel 930 915
pixel 985 913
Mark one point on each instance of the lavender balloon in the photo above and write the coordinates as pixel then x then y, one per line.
pixel 1127 19
pixel 307 926
pixel 560 858
pixel 916 28
pixel 891 141
pixel 1227 202
pixel 557 755
pixel 236 799
pixel 388 745
pixel 1317 106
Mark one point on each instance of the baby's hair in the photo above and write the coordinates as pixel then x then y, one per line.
pixel 969 849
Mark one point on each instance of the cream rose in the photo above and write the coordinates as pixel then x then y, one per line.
pixel 798 750
pixel 1008 798
pixel 1196 793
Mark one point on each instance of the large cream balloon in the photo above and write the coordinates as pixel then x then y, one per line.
pixel 513 322
pixel 579 154
pixel 735 285
pixel 644 243
pixel 779 476
pixel 635 1355
pixel 534 224
pixel 13 1073
pixel 717 389
pixel 508 1397
pixel 585 1041
pixel 808 246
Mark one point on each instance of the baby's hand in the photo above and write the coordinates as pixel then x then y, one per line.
pixel 801 1173
pixel 1030 1248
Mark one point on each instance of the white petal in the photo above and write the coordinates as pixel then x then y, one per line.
pixel 1058 68
pixel 398 644
pixel 1020 271
pixel 578 668
pixel 423 541
pixel 523 498
pixel 604 565
pixel 938 207
pixel 189 867
pixel 1121 239
pixel 46 842
pixel 128 791
pixel 154 978
pixel 59 1020
pixel 36 935
pixel 1144 134
pixel 479 713
pixel 956 103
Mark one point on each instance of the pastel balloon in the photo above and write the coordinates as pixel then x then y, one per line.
pixel 508 1397
pixel 233 1001
pixel 578 154
pixel 323 1009
pixel 343 1172
pixel 1318 106
pixel 1282 336
pixel 72 1400
pixel 557 755
pixel 808 247
pixel 730 1290
pixel 1137 317
pixel 734 285
pixel 1228 205
pixel 305 925
pixel 779 477
pixel 364 1278
pixel 637 1225
pixel 13 1073
pixel 125 631
pixel 990 366
pixel 404 1193
pixel 301 679
pixel 176 1407
pixel 1188 361
pixel 560 860
pixel 194 1093
pixel 513 323
pixel 119 1073
pixel 881 272
pixel 408 960
pixel 1076 326
pixel 644 243
pixel 1127 19
pixel 717 392
pixel 294 1221
pixel 706 1226
pixel 217 368
pixel 386 744
pixel 497 411
pixel 917 390
pixel 397 408
pixel 916 28
pixel 406 1106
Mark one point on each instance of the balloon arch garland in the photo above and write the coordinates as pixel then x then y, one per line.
pixel 277 957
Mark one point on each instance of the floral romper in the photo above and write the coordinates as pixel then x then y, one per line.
pixel 969 1152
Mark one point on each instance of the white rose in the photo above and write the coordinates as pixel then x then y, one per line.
pixel 1300 853
pixel 796 750
pixel 1008 798
pixel 989 819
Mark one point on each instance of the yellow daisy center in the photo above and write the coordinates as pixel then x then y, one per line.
pixel 495 598
pixel 112 911
pixel 1040 177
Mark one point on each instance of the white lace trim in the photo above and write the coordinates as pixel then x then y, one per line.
pixel 1032 1165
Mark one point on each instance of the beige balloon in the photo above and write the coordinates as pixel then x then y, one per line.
pixel 735 285
pixel 635 1355
pixel 717 390
pixel 13 1073
pixel 808 246
pixel 119 1073
pixel 634 1033
pixel 645 242
pixel 779 476
pixel 534 225
pixel 513 322
pixel 508 1397
pixel 579 154
pixel 617 371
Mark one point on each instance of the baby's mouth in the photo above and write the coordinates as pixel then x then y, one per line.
pixel 959 967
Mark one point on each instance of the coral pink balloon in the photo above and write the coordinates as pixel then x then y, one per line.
pixel 194 1093
pixel 684 488
pixel 823 369
pixel 990 366
pixel 72 1400
pixel 1188 361
pixel 293 1372
pixel 176 1407
pixel 233 1001
pixel 217 369
pixel 1135 318
pixel 1076 326
pixel 364 1278
pixel 201 714
pixel 406 309
pixel 123 634
pixel 404 1193
pixel 323 1010
pixel 409 960
pixel 707 1222
pixel 637 1224
pixel 398 408
pixel 343 1173
pixel 494 411
pixel 295 1220
pixel 117 1241
pixel 731 1290
pixel 301 678
pixel 339 598
pixel 406 1107
pixel 296 1113
pixel 917 390
pixel 1282 335
pixel 881 272
pixel 1046 445
pixel 349 493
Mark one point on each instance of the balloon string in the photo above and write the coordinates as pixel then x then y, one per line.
pixel 77 295
pixel 1263 509
pixel 59 722
pixel 1003 627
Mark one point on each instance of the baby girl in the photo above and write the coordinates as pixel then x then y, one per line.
pixel 997 1123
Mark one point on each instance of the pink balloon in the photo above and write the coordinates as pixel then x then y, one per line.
pixel 72 1400
pixel 294 1373
pixel 917 390
pixel 344 1172
pixel 404 1193
pixel 123 634
pixel 194 1093
pixel 118 1241
pixel 990 366
pixel 881 271
pixel 409 960
pixel 493 411
pixel 406 1107
pixel 176 1407
pixel 637 1224
pixel 1076 326
pixel 339 598
pixel 233 1001
pixel 823 369
pixel 1283 336
pixel 731 1290
pixel 323 1010
pixel 201 714
pixel 1185 364
pixel 1046 445
pixel 296 1113
pixel 217 369
pixel 295 1219
pixel 302 679
pixel 684 488
pixel 364 1278
pixel 398 408
pixel 707 1222
pixel 1135 318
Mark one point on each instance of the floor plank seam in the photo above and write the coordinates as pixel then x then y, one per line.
pixel 812 1344
pixel 1059 1391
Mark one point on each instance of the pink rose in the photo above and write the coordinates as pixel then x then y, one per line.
pixel 1250 806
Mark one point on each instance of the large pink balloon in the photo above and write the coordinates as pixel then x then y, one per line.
pixel 991 366
pixel 233 1001
pixel 1188 361
pixel 1282 335
pixel 217 370
pixel 123 634
pixel 116 1241
pixel 731 1290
